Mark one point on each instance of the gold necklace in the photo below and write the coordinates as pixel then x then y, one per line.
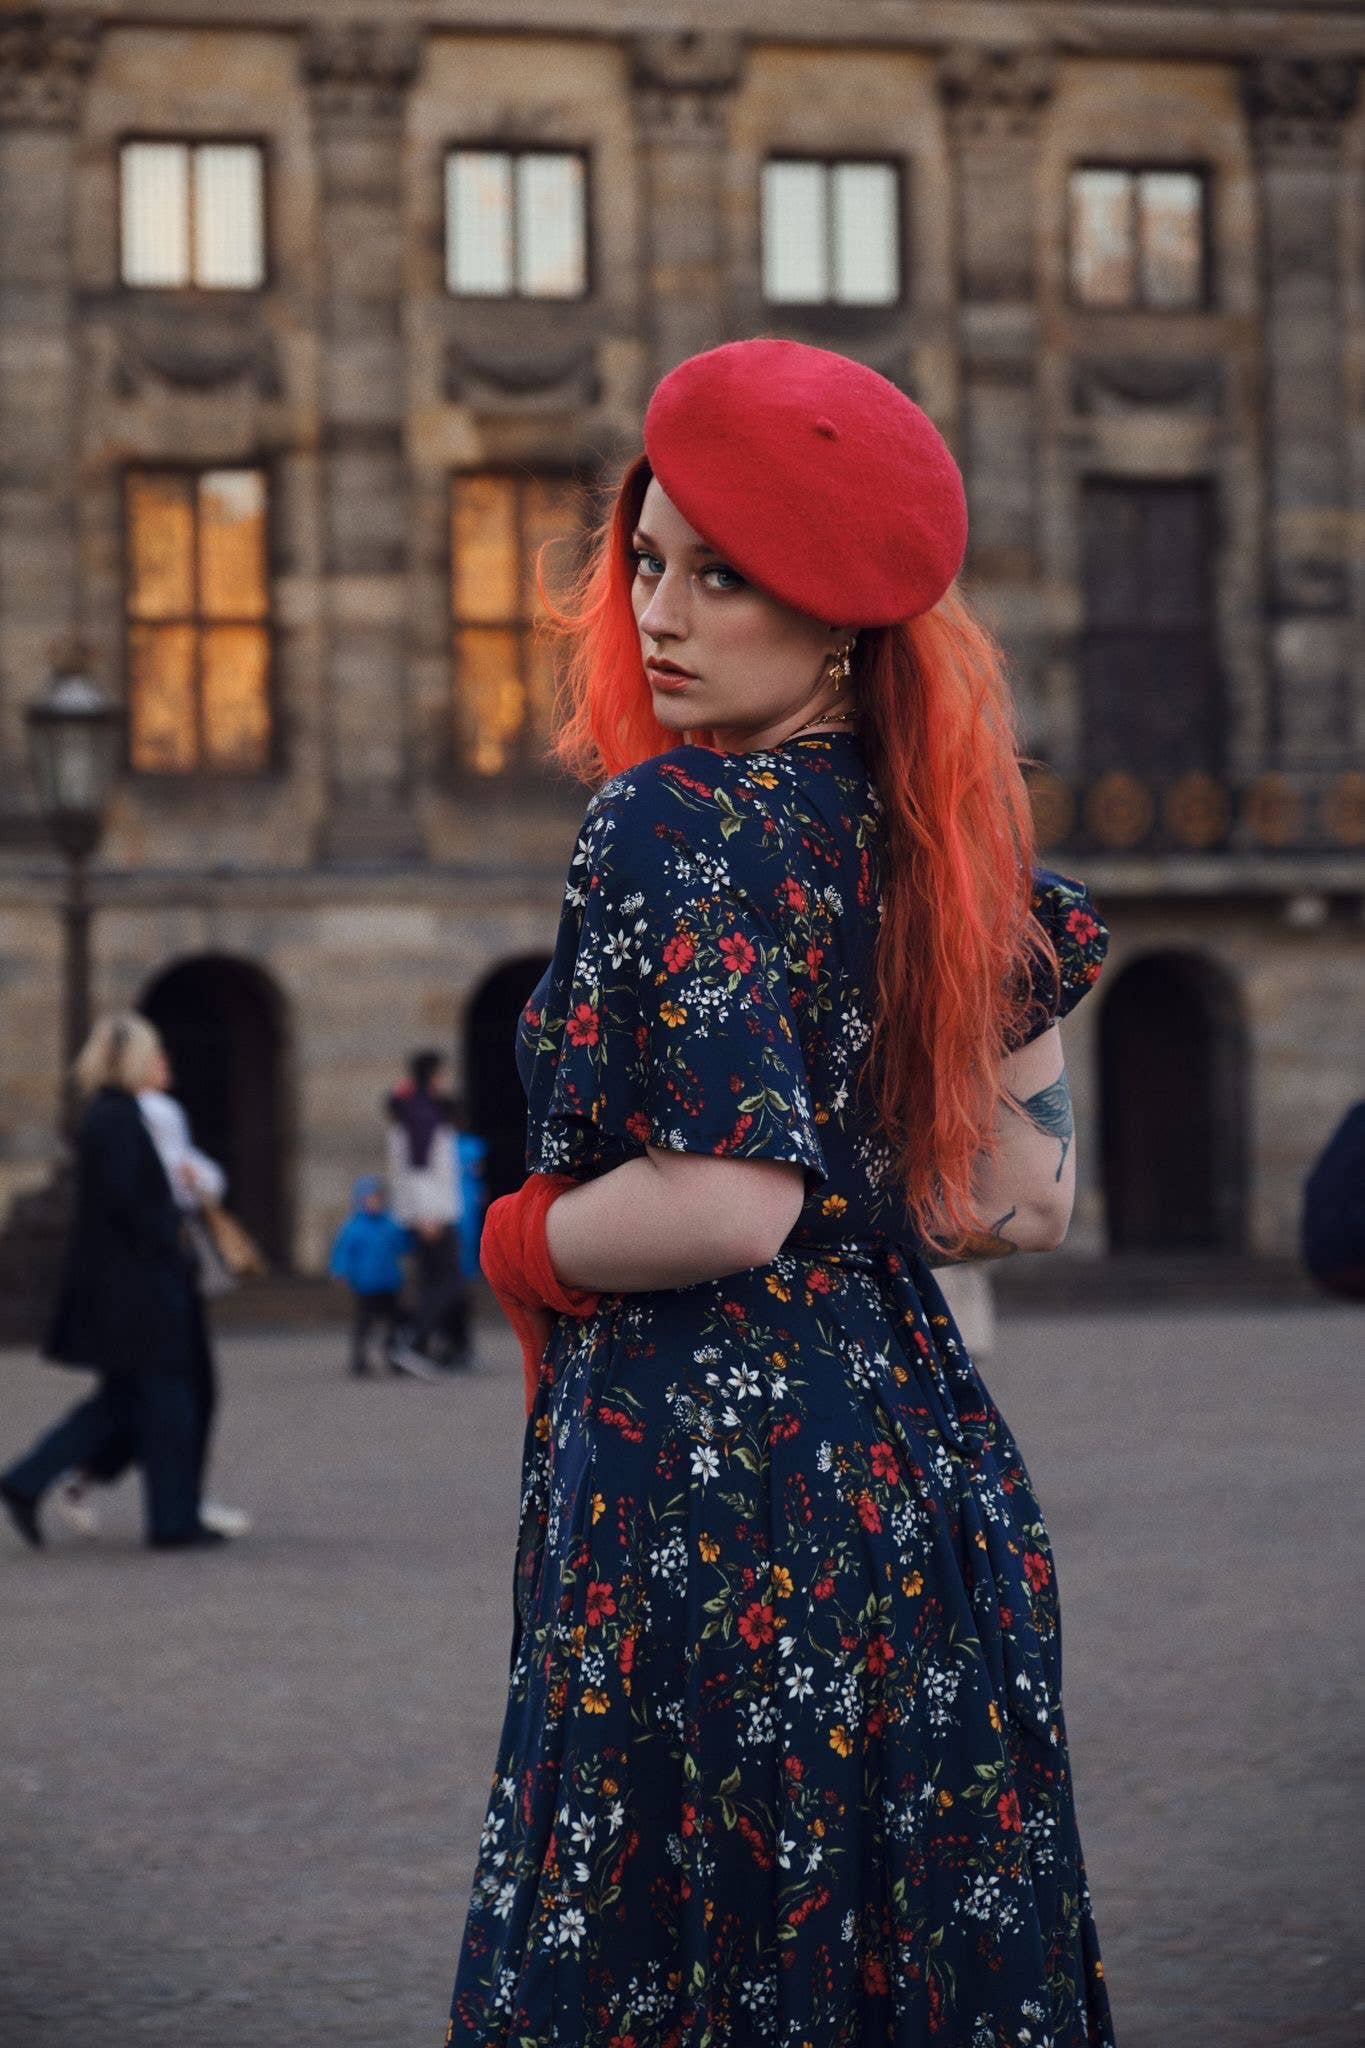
pixel 823 718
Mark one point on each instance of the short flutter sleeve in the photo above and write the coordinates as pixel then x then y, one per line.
pixel 1067 912
pixel 667 1019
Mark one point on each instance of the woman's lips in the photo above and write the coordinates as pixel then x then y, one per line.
pixel 667 678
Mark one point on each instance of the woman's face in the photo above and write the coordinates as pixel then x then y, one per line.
pixel 159 1073
pixel 756 669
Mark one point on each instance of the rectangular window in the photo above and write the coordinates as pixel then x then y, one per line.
pixel 198 621
pixel 504 670
pixel 516 224
pixel 831 233
pixel 193 214
pixel 1150 686
pixel 1139 238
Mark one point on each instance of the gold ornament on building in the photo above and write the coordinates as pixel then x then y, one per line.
pixel 1343 809
pixel 1197 809
pixel 1272 810
pixel 1053 806
pixel 1119 809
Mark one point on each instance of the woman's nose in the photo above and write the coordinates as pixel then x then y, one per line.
pixel 665 616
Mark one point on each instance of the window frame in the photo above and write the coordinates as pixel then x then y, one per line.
pixel 207 138
pixel 203 774
pixel 829 161
pixel 526 768
pixel 499 146
pixel 1136 170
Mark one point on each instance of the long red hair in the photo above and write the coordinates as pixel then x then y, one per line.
pixel 957 939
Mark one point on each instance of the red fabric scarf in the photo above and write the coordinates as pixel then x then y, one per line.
pixel 516 1263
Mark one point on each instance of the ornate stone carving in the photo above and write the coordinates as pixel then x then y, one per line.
pixel 1310 583
pixel 1298 104
pixel 194 358
pixel 995 94
pixel 1197 810
pixel 1123 384
pixel 360 70
pixel 44 59
pixel 570 378
pixel 680 78
pixel 687 60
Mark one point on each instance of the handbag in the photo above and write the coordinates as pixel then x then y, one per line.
pixel 212 1272
pixel 235 1247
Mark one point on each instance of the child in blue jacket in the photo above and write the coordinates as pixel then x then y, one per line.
pixel 368 1255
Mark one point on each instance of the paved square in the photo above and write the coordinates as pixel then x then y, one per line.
pixel 241 1792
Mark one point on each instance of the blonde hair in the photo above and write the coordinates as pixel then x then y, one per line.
pixel 121 1052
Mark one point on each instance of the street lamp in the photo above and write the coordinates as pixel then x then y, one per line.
pixel 73 736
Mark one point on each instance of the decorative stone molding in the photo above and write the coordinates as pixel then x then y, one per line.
pixel 45 57
pixel 1297 105
pixel 680 79
pixel 360 70
pixel 1310 583
pixel 686 60
pixel 193 360
pixel 1125 384
pixel 995 95
pixel 568 379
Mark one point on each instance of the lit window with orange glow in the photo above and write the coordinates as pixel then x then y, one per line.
pixel 505 671
pixel 198 622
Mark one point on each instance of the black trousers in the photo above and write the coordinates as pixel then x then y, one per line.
pixel 153 1418
pixel 442 1296
pixel 372 1311
pixel 119 1447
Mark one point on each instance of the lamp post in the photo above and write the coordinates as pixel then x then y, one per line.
pixel 73 735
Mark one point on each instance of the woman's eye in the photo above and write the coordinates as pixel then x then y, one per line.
pixel 719 569
pixel 640 556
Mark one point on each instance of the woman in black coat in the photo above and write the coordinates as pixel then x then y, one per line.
pixel 128 1307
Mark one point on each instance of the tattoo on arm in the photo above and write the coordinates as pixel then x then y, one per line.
pixel 991 1244
pixel 1050 1112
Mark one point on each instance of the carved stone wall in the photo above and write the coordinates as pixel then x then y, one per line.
pixel 45 60
pixel 1297 110
pixel 359 75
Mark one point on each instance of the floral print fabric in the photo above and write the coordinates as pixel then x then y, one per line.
pixel 784 1759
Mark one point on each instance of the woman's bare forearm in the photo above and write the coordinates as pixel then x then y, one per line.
pixel 1027 1183
pixel 669 1220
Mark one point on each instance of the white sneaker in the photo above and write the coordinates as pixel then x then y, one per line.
pixel 71 1499
pixel 215 1514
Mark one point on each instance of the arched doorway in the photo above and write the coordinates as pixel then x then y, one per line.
pixel 223 1023
pixel 1174 1106
pixel 496 1103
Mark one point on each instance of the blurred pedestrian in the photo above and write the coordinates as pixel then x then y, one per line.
pixel 1332 1231
pixel 128 1308
pixel 197 1182
pixel 368 1255
pixel 423 1121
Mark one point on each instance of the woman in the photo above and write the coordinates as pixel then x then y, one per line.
pixel 784 1759
pixel 128 1308
pixel 196 1181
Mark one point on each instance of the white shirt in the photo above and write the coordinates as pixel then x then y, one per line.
pixel 194 1177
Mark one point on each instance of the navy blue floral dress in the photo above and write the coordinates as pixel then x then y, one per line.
pixel 784 1760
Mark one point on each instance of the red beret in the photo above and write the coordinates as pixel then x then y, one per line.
pixel 814 476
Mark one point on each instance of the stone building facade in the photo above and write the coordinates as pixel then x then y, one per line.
pixel 1167 483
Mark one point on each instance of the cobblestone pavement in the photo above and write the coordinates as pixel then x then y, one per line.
pixel 241 1791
